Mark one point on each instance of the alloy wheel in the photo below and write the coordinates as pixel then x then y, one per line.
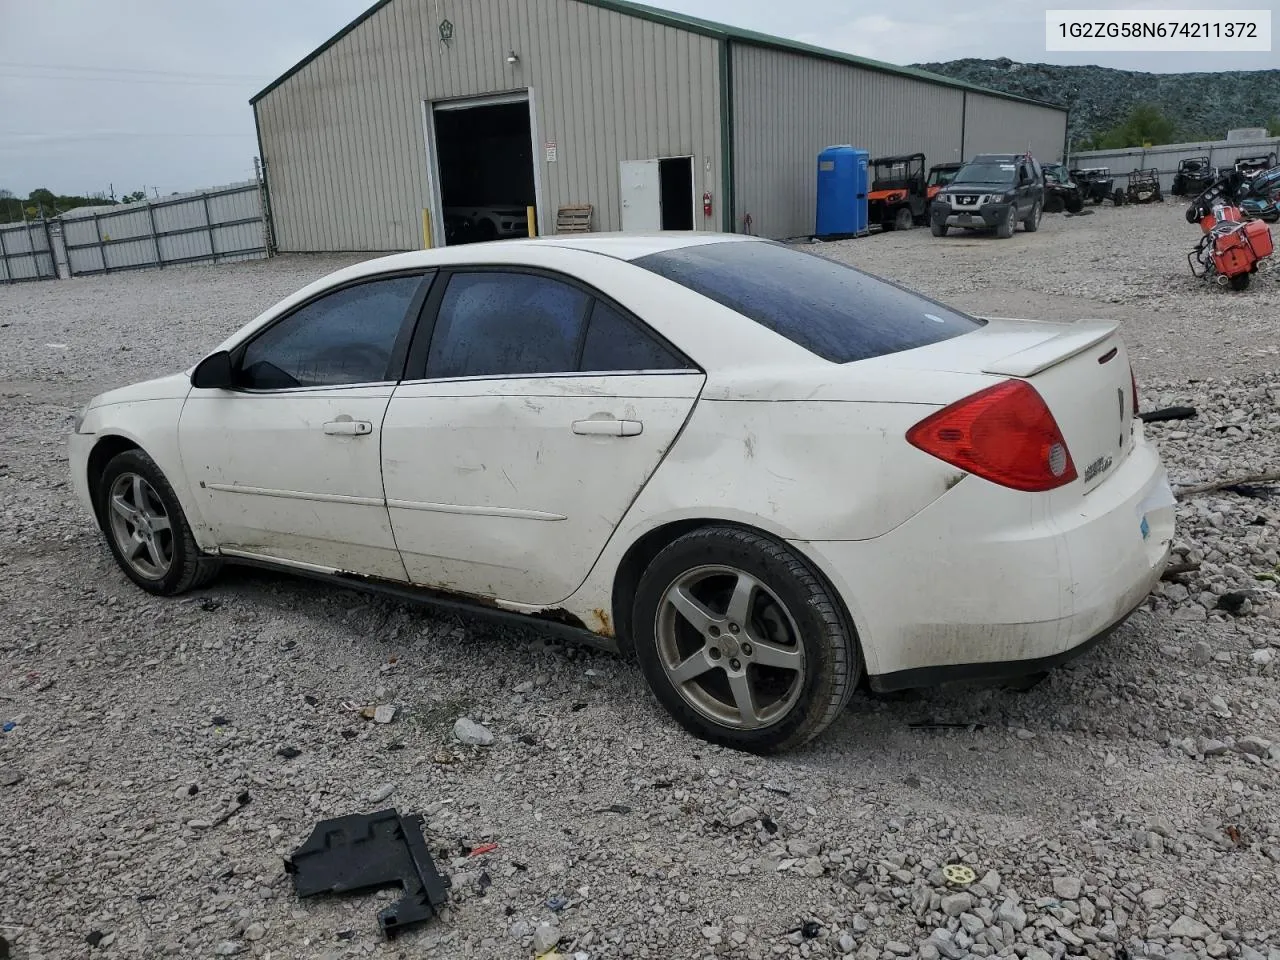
pixel 140 526
pixel 730 647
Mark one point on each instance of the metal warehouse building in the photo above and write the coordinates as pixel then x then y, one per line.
pixel 434 121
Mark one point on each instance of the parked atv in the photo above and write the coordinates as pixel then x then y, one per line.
pixel 897 198
pixel 1260 197
pixel 1060 192
pixel 1097 184
pixel 1194 175
pixel 1144 187
pixel 1250 167
pixel 940 174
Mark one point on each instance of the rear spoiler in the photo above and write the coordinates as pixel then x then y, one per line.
pixel 1082 335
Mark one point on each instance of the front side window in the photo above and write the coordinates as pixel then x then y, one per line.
pixel 343 338
pixel 831 309
pixel 493 323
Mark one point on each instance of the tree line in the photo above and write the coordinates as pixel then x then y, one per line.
pixel 1147 126
pixel 42 203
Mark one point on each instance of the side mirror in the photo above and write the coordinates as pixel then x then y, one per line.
pixel 214 372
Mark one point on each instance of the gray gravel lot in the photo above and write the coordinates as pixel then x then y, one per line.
pixel 1126 805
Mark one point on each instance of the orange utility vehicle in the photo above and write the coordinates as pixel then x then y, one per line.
pixel 897 200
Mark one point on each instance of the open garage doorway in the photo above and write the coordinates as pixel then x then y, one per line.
pixel 484 161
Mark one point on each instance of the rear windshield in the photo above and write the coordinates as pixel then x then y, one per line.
pixel 987 173
pixel 833 310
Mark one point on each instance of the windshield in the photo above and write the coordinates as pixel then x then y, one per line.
pixel 987 172
pixel 829 308
pixel 1056 171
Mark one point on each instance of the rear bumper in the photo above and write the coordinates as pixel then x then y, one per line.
pixel 988 582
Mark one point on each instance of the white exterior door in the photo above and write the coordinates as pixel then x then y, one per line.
pixel 538 414
pixel 641 195
pixel 510 488
pixel 286 465
pixel 293 476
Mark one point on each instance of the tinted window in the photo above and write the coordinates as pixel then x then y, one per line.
pixel 494 323
pixel 830 309
pixel 615 343
pixel 345 337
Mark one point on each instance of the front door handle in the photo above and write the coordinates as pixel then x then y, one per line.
pixel 348 428
pixel 608 428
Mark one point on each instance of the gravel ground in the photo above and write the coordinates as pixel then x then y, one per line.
pixel 1126 805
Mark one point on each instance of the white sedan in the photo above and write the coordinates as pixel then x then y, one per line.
pixel 765 474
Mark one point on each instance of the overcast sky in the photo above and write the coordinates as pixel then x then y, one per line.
pixel 154 93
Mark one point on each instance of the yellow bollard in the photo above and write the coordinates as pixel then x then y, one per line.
pixel 532 214
pixel 426 229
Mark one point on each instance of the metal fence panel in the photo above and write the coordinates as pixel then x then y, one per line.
pixel 25 252
pixel 211 226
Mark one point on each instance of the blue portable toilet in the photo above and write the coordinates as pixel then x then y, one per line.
pixel 842 192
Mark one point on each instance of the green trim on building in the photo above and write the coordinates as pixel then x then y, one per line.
pixel 728 219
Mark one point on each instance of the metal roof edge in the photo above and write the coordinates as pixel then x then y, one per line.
pixel 317 51
pixel 722 31
pixel 708 28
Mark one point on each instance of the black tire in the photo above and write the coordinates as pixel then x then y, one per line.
pixel 189 568
pixel 903 219
pixel 1007 224
pixel 938 229
pixel 1240 281
pixel 1075 203
pixel 1054 204
pixel 832 662
pixel 1118 198
pixel 1032 223
pixel 1097 201
pixel 1192 214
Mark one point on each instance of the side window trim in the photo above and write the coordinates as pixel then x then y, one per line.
pixel 426 277
pixel 416 362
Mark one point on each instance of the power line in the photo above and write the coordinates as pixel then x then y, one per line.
pixel 163 73
pixel 176 81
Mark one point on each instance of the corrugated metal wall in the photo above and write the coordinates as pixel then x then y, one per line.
pixel 25 252
pixel 1221 153
pixel 787 107
pixel 343 138
pixel 996 125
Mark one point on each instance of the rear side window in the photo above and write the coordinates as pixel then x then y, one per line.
pixel 833 310
pixel 495 324
pixel 615 343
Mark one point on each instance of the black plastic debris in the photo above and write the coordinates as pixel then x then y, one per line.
pixel 1168 413
pixel 945 725
pixel 1232 603
pixel 366 851
pixel 289 753
pixel 620 808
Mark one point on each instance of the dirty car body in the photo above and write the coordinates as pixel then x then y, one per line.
pixel 766 474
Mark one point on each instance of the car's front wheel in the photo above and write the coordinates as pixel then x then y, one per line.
pixel 1004 229
pixel 742 642
pixel 146 529
pixel 938 228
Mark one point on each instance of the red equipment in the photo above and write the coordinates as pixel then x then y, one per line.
pixel 1232 249
pixel 706 203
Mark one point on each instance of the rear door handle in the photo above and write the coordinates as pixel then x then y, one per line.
pixel 608 428
pixel 348 428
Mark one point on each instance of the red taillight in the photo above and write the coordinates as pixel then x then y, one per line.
pixel 1133 379
pixel 1004 434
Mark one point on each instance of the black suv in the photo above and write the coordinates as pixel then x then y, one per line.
pixel 993 190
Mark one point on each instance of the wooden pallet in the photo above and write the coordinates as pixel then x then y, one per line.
pixel 574 219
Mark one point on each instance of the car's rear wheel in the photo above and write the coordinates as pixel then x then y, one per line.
pixel 903 219
pixel 742 642
pixel 146 529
